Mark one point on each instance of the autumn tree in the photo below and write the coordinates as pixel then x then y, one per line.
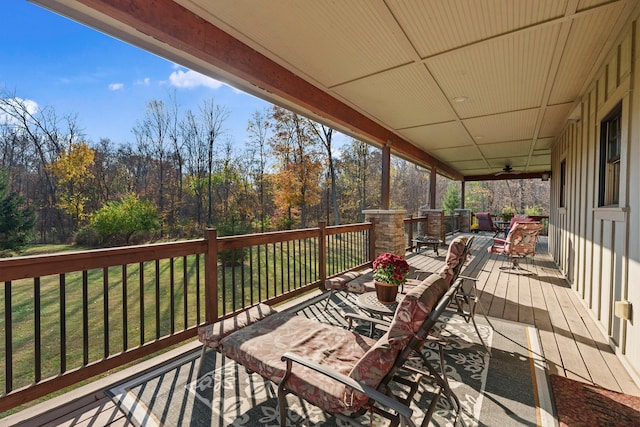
pixel 356 179
pixel 72 170
pixel 299 165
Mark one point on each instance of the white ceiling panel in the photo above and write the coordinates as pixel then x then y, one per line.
pixel 404 97
pixel 441 135
pixel 515 126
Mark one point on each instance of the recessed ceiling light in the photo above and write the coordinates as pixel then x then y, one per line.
pixel 459 99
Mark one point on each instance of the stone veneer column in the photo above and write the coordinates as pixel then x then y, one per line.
pixel 465 220
pixel 389 230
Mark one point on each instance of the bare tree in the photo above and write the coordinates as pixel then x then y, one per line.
pixel 258 130
pixel 41 134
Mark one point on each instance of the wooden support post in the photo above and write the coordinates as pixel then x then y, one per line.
pixel 462 191
pixel 432 188
pixel 385 190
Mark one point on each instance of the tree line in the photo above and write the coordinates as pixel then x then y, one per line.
pixel 184 172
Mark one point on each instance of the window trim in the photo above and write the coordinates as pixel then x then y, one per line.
pixel 609 166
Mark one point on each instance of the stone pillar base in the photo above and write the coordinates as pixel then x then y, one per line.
pixel 389 230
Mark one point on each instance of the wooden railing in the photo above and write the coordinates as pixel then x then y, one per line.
pixel 70 316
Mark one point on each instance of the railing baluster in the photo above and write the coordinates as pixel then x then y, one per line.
pixel 37 330
pixel 125 320
pixel 197 266
pixel 105 308
pixel 141 300
pixel 223 273
pixel 158 305
pixel 251 281
pixel 8 338
pixel 260 249
pixel 282 256
pixel 185 283
pixel 85 318
pixel 242 280
pixel 63 325
pixel 234 293
pixel 172 299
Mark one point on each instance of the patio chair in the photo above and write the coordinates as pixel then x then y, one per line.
pixel 338 370
pixel 485 223
pixel 520 243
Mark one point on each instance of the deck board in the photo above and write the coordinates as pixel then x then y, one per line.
pixel 572 344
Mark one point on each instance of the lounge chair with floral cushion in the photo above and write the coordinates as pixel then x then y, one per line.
pixel 520 243
pixel 338 370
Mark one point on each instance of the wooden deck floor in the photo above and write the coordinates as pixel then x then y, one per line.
pixel 572 344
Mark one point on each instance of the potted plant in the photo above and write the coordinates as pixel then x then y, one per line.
pixel 389 272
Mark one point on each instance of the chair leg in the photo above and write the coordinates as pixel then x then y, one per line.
pixel 472 301
pixel 326 304
pixel 282 404
pixel 516 269
pixel 205 348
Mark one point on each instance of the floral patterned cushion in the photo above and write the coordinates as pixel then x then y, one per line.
pixel 409 317
pixel 339 283
pixel 520 241
pixel 259 348
pixel 210 335
pixel 453 259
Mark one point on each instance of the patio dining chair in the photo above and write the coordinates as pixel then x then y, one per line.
pixel 485 223
pixel 340 371
pixel 520 243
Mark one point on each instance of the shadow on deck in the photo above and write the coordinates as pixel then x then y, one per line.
pixel 571 343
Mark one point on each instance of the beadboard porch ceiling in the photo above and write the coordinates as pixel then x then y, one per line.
pixel 467 85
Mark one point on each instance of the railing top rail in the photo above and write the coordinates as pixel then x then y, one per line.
pixel 244 240
pixel 44 265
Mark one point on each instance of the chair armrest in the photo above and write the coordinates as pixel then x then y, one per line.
pixel 475 279
pixel 381 398
pixel 353 316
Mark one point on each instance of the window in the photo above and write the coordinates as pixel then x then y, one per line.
pixel 610 144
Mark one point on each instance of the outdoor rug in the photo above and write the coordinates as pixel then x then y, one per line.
pixel 581 404
pixel 508 387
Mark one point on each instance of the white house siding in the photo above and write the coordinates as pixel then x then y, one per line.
pixel 598 249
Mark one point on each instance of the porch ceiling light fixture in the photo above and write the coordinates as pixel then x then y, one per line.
pixel 459 99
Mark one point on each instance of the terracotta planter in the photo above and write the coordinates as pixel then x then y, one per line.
pixel 386 292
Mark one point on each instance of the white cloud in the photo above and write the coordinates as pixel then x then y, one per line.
pixel 192 79
pixel 144 82
pixel 19 105
pixel 116 86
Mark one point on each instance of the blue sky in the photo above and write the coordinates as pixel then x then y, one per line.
pixel 56 62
